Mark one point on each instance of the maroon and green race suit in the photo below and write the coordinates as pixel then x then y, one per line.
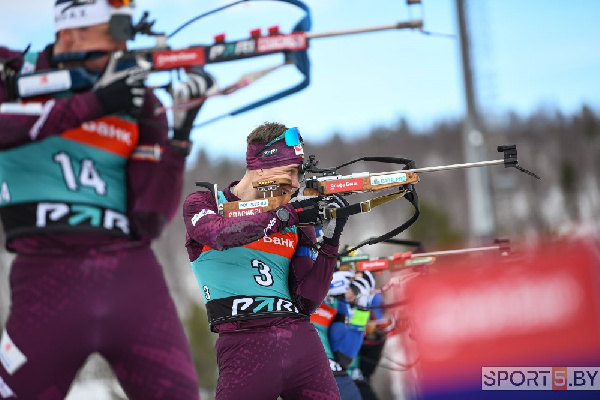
pixel 83 196
pixel 267 347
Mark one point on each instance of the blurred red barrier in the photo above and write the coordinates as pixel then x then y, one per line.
pixel 540 309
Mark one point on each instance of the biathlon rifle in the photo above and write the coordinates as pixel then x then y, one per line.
pixel 161 57
pixel 414 263
pixel 327 182
pixel 411 259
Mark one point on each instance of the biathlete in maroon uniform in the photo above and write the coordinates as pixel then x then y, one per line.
pixel 261 278
pixel 83 195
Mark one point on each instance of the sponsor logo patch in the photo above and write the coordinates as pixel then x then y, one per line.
pixel 298 150
pixel 254 305
pixel 387 179
pixel 109 131
pixel 201 214
pixel 224 51
pixel 344 185
pixel 245 212
pixel 268 153
pixel 373 265
pixel 178 58
pixel 270 226
pixel 279 241
pixel 293 42
pixel 324 315
pixel 254 204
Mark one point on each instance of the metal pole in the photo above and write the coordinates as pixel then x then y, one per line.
pixel 481 213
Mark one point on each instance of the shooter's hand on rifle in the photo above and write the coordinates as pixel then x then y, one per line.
pixel 308 209
pixel 198 85
pixel 121 91
pixel 332 228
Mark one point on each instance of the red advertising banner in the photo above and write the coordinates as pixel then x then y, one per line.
pixel 541 308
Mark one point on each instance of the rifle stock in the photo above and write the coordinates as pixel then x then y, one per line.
pixel 251 207
pixel 361 182
pixel 318 186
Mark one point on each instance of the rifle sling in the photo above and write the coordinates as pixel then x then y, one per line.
pixel 412 197
pixel 364 206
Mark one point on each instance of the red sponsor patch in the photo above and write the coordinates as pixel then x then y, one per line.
pixel 324 315
pixel 277 243
pixel 244 212
pixel 372 265
pixel 291 42
pixel 344 185
pixel 178 58
pixel 111 133
pixel 281 244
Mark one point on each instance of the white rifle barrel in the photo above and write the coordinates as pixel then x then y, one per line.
pixel 444 167
pixel 413 24
pixel 451 252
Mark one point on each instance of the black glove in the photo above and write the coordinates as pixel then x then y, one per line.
pixel 307 208
pixel 122 91
pixel 8 78
pixel 199 83
pixel 332 228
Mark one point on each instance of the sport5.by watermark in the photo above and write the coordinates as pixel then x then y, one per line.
pixel 540 378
